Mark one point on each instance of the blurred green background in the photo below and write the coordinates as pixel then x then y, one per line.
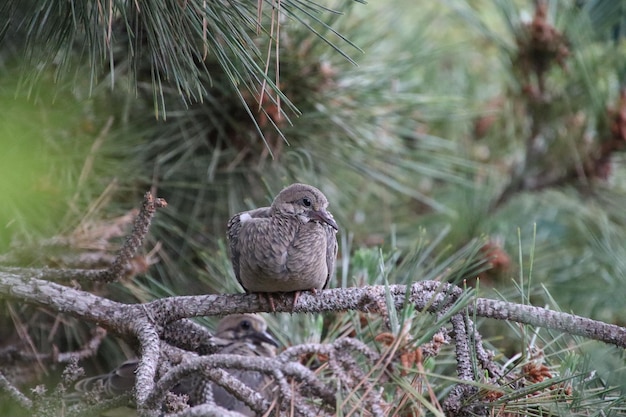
pixel 476 137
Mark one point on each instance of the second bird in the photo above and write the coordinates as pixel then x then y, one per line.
pixel 290 246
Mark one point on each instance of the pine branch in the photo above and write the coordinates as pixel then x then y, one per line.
pixel 166 318
pixel 177 46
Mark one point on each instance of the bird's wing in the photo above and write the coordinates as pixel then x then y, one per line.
pixel 256 380
pixel 331 253
pixel 234 227
pixel 117 382
pixel 232 233
pixel 253 379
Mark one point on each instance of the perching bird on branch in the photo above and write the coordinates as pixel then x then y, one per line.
pixel 238 334
pixel 290 246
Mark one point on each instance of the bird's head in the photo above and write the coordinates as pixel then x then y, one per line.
pixel 304 201
pixel 245 328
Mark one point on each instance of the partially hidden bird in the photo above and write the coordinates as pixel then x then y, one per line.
pixel 237 334
pixel 289 246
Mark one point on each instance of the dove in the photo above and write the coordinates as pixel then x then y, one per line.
pixel 289 246
pixel 238 334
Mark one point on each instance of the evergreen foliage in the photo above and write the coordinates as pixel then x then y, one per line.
pixel 478 137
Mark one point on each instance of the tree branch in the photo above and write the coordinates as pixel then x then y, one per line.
pixel 431 296
pixel 167 319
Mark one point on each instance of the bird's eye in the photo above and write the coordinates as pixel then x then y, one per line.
pixel 245 325
pixel 306 202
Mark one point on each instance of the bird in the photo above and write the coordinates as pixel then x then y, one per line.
pixel 241 334
pixel 237 334
pixel 290 246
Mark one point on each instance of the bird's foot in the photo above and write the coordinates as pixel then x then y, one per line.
pixel 296 295
pixel 270 300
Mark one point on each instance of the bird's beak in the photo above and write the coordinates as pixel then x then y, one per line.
pixel 323 216
pixel 265 337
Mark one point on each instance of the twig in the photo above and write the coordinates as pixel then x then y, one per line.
pixel 542 317
pixel 14 353
pixel 461 393
pixel 14 393
pixel 134 240
pixel 191 336
pixel 211 367
pixel 89 349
